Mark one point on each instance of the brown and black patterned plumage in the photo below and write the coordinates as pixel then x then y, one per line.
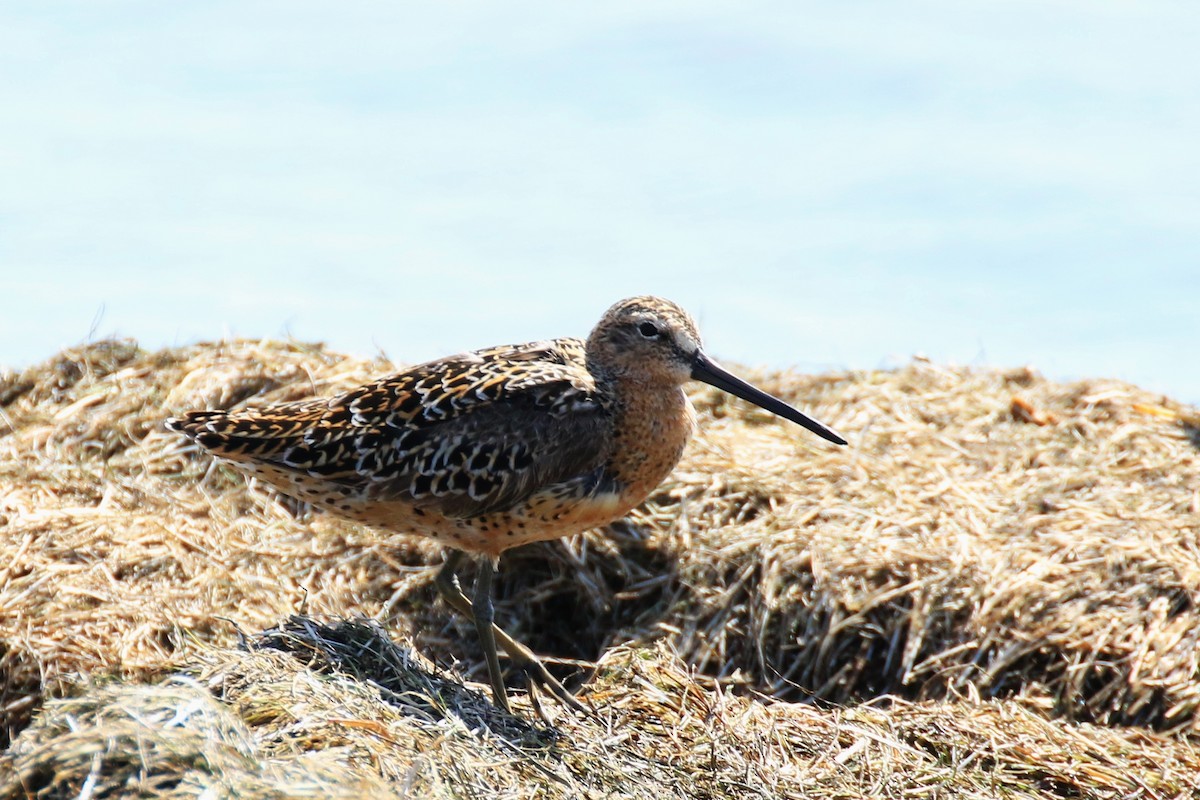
pixel 495 448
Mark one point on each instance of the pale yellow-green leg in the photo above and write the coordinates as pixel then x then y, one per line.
pixel 485 613
pixel 480 613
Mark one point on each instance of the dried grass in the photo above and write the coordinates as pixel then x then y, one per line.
pixel 992 592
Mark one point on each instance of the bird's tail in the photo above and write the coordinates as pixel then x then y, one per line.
pixel 258 434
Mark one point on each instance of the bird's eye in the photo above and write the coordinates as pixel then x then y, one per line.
pixel 648 329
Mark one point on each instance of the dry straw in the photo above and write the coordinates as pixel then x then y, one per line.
pixel 994 591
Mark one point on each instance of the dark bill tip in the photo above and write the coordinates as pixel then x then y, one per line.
pixel 706 370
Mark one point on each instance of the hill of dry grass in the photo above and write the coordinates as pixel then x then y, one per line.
pixel 993 592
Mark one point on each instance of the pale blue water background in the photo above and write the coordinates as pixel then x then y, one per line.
pixel 824 185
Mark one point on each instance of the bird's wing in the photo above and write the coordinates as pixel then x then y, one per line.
pixel 464 435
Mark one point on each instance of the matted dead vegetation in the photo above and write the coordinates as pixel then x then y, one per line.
pixel 994 591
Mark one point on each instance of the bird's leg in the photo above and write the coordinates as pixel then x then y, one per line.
pixel 485 612
pixel 447 581
pixel 523 658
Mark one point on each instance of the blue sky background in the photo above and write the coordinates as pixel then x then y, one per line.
pixel 824 185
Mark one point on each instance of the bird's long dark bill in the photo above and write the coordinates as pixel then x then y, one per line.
pixel 705 369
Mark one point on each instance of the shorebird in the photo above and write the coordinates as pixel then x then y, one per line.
pixel 495 448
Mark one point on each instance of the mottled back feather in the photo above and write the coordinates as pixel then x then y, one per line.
pixel 464 435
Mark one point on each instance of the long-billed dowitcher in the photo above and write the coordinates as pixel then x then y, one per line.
pixel 492 449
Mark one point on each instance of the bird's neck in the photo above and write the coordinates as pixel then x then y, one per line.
pixel 653 425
